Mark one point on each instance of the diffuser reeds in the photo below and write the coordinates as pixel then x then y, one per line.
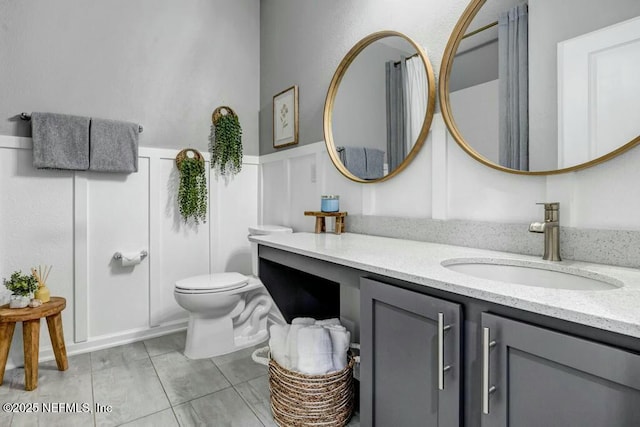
pixel 42 274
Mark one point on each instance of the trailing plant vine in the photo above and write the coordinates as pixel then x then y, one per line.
pixel 192 193
pixel 225 143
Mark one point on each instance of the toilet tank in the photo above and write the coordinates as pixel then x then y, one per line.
pixel 263 230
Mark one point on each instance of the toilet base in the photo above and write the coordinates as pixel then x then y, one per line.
pixel 208 338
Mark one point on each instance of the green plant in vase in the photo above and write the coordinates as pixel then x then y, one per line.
pixel 225 144
pixel 192 192
pixel 21 287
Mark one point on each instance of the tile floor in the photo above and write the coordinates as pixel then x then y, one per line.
pixel 148 383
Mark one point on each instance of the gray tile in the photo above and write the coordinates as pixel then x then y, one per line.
pixel 241 370
pixel 166 343
pixel 13 384
pixel 187 416
pixel 184 379
pixel 53 388
pixel 133 390
pixel 78 364
pixel 5 418
pixel 159 419
pixel 121 355
pixel 236 355
pixel 225 408
pixel 257 395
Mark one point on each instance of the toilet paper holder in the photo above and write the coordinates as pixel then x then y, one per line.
pixel 118 255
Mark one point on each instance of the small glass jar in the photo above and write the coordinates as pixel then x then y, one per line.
pixel 330 203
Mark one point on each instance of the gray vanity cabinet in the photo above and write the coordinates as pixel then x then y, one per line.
pixel 410 364
pixel 546 378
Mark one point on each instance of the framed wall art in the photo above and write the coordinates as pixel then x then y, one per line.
pixel 285 118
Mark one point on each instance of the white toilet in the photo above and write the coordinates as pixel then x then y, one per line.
pixel 227 311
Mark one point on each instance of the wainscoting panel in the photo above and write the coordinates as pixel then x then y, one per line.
pixel 36 227
pixel 77 221
pixel 234 207
pixel 182 249
pixel 118 221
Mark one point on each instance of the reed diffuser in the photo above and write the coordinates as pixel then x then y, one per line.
pixel 41 275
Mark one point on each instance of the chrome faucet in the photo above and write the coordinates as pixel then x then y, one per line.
pixel 551 229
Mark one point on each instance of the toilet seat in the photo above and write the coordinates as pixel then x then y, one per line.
pixel 211 283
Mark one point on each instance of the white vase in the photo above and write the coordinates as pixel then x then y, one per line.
pixel 19 301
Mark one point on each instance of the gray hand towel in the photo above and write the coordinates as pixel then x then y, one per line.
pixel 354 159
pixel 60 141
pixel 375 163
pixel 113 146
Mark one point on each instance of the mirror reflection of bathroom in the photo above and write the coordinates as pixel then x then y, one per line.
pixel 547 85
pixel 380 108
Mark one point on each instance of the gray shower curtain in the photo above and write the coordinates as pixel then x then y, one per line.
pixel 395 76
pixel 514 88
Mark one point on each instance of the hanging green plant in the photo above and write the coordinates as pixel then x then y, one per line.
pixel 192 192
pixel 225 142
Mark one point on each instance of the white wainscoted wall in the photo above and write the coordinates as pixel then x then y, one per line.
pixel 78 220
pixel 445 183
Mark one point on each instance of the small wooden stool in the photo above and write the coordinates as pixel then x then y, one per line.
pixel 320 222
pixel 30 318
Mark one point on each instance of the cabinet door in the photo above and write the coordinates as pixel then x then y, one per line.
pixel 410 358
pixel 545 378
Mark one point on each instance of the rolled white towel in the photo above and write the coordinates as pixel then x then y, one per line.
pixel 278 344
pixel 292 345
pixel 315 355
pixel 327 322
pixel 306 321
pixel 340 340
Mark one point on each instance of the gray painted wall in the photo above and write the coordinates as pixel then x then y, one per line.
pixel 303 42
pixel 165 64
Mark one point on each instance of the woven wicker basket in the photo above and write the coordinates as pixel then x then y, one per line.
pixel 184 154
pixel 299 400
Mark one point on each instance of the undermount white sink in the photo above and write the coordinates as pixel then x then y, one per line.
pixel 533 274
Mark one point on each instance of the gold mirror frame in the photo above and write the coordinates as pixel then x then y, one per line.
pixel 333 90
pixel 445 106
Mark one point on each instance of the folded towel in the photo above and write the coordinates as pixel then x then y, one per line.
pixel 326 322
pixel 354 159
pixel 113 146
pixel 60 141
pixel 307 321
pixel 315 355
pixel 278 344
pixel 375 163
pixel 340 340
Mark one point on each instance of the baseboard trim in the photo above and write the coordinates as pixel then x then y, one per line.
pixel 112 340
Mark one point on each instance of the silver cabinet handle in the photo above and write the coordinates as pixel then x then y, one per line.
pixel 441 367
pixel 487 344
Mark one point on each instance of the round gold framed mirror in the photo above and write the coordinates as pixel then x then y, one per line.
pixel 379 107
pixel 543 87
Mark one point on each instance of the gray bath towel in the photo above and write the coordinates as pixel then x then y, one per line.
pixel 375 163
pixel 113 146
pixel 60 141
pixel 353 158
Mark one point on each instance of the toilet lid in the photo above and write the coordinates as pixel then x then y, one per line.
pixel 213 282
pixel 260 230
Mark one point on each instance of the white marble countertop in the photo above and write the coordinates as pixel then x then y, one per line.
pixel 616 310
